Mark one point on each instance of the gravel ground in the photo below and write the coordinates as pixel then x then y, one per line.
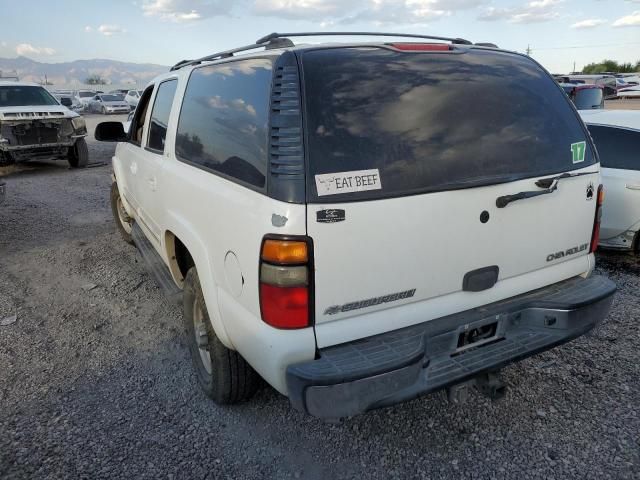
pixel 96 379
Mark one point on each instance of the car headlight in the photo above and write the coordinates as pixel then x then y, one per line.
pixel 79 123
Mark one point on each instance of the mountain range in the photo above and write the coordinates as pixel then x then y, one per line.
pixel 75 73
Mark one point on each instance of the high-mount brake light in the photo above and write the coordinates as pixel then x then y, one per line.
pixel 285 282
pixel 422 47
pixel 595 235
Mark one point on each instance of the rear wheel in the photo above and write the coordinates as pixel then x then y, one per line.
pixel 222 373
pixel 78 155
pixel 123 221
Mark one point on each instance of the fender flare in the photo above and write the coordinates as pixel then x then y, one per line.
pixel 184 231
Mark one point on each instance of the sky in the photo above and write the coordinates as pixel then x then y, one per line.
pixel 558 32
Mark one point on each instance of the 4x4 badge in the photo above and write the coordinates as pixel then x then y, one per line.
pixel 331 215
pixel 590 191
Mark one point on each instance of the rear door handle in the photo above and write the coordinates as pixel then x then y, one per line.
pixel 633 186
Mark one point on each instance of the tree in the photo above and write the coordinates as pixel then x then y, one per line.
pixel 611 66
pixel 95 80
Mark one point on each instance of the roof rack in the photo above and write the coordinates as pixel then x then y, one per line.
pixel 275 35
pixel 281 40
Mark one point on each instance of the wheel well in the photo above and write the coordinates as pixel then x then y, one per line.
pixel 180 259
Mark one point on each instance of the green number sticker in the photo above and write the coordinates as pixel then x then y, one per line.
pixel 577 151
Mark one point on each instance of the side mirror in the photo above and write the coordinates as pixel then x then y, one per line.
pixel 110 132
pixel 66 101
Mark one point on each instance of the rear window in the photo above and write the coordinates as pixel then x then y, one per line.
pixel 429 122
pixel 617 147
pixel 588 98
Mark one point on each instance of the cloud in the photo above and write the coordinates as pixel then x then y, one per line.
pixel 632 20
pixel 182 11
pixel 109 30
pixel 590 23
pixel 535 11
pixel 88 29
pixel 24 49
pixel 332 12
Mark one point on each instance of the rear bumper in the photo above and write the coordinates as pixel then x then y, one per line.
pixel 396 366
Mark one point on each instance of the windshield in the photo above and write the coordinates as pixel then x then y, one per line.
pixel 111 98
pixel 588 98
pixel 422 122
pixel 85 94
pixel 25 95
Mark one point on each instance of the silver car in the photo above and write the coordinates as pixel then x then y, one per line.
pixel 108 103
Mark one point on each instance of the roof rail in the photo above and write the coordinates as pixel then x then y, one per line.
pixel 280 40
pixel 268 44
pixel 275 35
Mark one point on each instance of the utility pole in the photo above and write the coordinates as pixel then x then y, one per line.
pixel 528 50
pixel 574 66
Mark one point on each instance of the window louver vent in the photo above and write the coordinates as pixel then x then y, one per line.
pixel 286 147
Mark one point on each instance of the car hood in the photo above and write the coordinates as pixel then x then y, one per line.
pixel 31 111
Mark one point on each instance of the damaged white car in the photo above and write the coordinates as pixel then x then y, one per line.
pixel 34 126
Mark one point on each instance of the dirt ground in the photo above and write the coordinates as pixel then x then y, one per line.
pixel 623 104
pixel 96 379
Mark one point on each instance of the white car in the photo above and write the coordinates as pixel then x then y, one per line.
pixel 357 235
pixel 35 126
pixel 616 134
pixel 629 92
pixel 133 97
pixel 84 97
pixel 107 103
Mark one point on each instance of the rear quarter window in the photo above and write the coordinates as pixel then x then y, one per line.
pixel 223 124
pixel 617 147
pixel 432 121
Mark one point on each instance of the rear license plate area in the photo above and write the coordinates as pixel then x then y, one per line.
pixel 475 336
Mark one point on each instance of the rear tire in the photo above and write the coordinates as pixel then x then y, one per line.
pixel 78 155
pixel 222 373
pixel 123 221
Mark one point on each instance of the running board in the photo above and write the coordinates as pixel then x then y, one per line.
pixel 156 266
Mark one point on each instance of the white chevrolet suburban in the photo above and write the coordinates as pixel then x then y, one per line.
pixel 358 223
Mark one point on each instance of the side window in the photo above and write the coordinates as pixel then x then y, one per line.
pixel 160 115
pixel 618 147
pixel 224 119
pixel 137 124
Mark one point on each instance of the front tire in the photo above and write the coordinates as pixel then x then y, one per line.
pixel 123 221
pixel 78 155
pixel 103 111
pixel 222 373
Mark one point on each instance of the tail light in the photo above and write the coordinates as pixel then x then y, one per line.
pixel 286 284
pixel 595 236
pixel 422 47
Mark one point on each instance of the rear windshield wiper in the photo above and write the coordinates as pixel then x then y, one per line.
pixel 550 185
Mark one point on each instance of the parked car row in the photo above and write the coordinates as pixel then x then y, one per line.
pixel 613 86
pixel 96 102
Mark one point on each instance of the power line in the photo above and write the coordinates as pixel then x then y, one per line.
pixel 586 46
